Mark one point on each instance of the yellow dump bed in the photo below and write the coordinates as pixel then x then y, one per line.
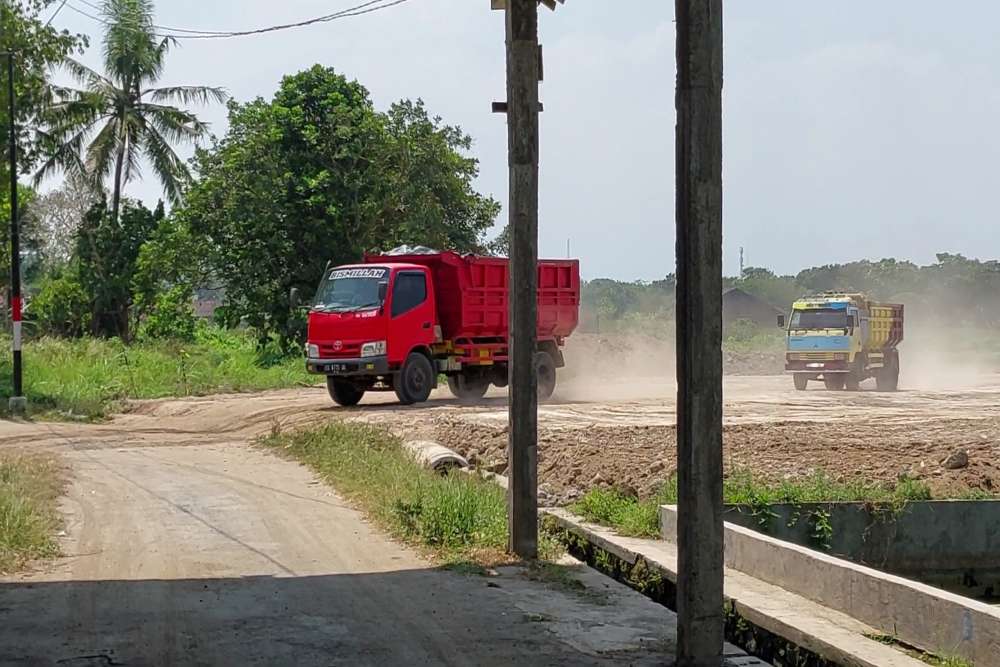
pixel 885 328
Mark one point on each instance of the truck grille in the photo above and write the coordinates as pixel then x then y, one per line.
pixel 347 350
pixel 817 356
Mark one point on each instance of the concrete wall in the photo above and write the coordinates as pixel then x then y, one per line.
pixel 952 543
pixel 915 613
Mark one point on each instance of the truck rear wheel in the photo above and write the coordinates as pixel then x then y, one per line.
pixel 468 388
pixel 343 392
pixel 887 379
pixel 545 367
pixel 416 380
pixel 834 381
pixel 801 381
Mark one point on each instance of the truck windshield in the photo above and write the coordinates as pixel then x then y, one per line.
pixel 345 290
pixel 819 319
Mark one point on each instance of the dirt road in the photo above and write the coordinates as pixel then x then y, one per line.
pixel 185 546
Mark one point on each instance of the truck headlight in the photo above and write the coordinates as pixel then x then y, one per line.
pixel 312 351
pixel 374 349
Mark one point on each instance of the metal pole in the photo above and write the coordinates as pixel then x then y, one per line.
pixel 522 145
pixel 699 332
pixel 17 400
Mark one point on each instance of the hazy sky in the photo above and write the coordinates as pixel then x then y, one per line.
pixel 852 129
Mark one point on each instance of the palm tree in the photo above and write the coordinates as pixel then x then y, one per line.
pixel 122 116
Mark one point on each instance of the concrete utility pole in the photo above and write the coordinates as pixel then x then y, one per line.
pixel 523 69
pixel 699 332
pixel 17 403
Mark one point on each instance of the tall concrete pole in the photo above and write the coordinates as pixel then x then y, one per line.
pixel 699 332
pixel 522 146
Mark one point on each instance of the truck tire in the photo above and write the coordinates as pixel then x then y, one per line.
pixel 801 381
pixel 887 379
pixel 834 381
pixel 416 380
pixel 344 392
pixel 468 389
pixel 545 368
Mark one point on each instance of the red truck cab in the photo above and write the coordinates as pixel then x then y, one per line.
pixel 395 323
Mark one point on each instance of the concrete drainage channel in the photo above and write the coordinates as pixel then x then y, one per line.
pixel 950 544
pixel 790 602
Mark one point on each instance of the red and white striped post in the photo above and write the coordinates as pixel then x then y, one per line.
pixel 18 403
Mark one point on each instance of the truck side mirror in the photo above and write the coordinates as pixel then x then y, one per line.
pixel 294 298
pixel 781 321
pixel 383 291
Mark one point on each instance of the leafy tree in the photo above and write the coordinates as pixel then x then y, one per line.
pixel 106 255
pixel 58 215
pixel 122 116
pixel 62 306
pixel 38 47
pixel 171 315
pixel 172 260
pixel 318 174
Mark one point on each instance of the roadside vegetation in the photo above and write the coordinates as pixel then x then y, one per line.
pixel 640 518
pixel 89 378
pixel 29 489
pixel 461 519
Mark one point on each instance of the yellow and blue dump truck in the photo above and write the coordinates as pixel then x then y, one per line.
pixel 843 339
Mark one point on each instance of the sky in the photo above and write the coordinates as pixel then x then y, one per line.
pixel 851 130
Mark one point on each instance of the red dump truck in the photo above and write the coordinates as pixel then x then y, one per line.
pixel 395 322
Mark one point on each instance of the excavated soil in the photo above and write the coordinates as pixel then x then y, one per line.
pixel 622 433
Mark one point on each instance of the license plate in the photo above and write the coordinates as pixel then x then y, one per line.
pixel 338 368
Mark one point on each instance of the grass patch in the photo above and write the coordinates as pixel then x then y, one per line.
pixel 29 489
pixel 461 518
pixel 640 518
pixel 90 378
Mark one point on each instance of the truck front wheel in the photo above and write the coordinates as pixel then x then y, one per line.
pixel 343 392
pixel 801 381
pixel 416 380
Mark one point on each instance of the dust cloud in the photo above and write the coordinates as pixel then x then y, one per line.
pixel 617 367
pixel 934 357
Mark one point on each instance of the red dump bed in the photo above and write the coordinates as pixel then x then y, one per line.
pixel 471 294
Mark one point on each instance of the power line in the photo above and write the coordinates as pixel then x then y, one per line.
pixel 55 14
pixel 183 33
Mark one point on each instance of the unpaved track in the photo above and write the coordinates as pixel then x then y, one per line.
pixel 185 546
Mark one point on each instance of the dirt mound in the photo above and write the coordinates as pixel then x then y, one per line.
pixel 639 458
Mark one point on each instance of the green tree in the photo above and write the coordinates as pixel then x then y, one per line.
pixel 121 114
pixel 37 48
pixel 106 256
pixel 318 174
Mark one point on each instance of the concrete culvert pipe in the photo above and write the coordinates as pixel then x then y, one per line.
pixel 434 456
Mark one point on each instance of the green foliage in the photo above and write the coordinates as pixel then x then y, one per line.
pixel 89 378
pixel 106 255
pixel 39 48
pixel 458 515
pixel 29 491
pixel 171 317
pixel 632 516
pixel 318 174
pixel 952 290
pixel 62 306
pixel 120 115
